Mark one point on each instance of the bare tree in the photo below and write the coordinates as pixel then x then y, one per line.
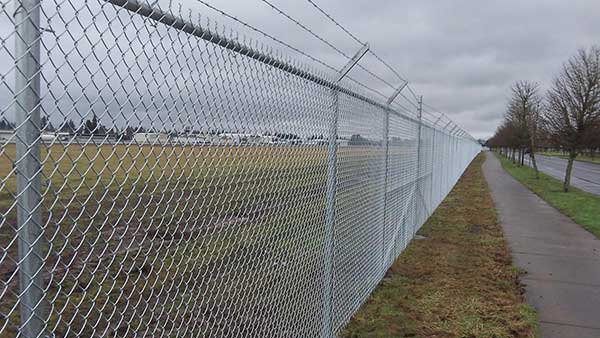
pixel 573 103
pixel 503 140
pixel 524 114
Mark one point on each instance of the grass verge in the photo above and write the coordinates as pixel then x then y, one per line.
pixel 582 207
pixel 457 282
pixel 582 158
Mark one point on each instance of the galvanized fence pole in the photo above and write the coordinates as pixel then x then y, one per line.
pixel 28 168
pixel 330 217
pixel 386 131
pixel 386 128
pixel 418 176
pixel 328 329
pixel 431 198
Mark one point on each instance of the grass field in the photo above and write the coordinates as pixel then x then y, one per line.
pixel 457 282
pixel 581 157
pixel 581 206
pixel 141 228
pixel 159 240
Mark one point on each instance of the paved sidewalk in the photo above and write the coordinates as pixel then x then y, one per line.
pixel 561 258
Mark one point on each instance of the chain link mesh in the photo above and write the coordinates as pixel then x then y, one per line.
pixel 158 183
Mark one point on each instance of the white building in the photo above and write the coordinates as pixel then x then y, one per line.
pixel 64 137
pixel 48 137
pixel 317 142
pixel 342 142
pixel 191 139
pixel 234 138
pixel 151 138
pixel 45 136
pixel 7 136
pixel 269 139
pixel 90 139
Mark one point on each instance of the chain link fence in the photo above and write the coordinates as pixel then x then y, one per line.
pixel 159 178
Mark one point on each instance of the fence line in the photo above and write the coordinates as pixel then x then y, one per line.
pixel 162 179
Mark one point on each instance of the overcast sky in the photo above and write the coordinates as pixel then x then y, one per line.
pixel 462 55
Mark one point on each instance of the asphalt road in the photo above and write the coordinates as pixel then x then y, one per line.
pixel 585 175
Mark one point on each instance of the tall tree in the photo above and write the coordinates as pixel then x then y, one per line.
pixel 68 127
pixel 46 124
pixel 91 126
pixel 573 104
pixel 524 114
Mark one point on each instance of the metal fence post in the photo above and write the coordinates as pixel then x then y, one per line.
pixel 418 179
pixel 327 330
pixel 28 168
pixel 330 217
pixel 431 198
pixel 386 130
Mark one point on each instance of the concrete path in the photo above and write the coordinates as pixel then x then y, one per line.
pixel 562 259
pixel 585 175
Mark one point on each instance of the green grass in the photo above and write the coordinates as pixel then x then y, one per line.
pixel 582 158
pixel 457 282
pixel 582 207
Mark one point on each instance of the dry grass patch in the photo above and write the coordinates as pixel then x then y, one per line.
pixel 458 282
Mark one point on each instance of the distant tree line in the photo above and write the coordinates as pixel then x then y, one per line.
pixel 565 118
pixel 6 125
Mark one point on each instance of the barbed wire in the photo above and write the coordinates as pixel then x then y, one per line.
pixel 335 22
pixel 279 41
pixel 287 45
pixel 330 17
pixel 433 109
pixel 408 86
pixel 355 38
pixel 304 27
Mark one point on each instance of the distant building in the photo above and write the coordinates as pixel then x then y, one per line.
pixel 151 138
pixel 7 136
pixel 48 137
pixel 191 139
pixel 63 137
pixel 266 139
pixel 234 138
pixel 342 142
pixel 317 142
pixel 90 139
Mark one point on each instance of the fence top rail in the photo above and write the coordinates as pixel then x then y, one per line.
pixel 145 9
